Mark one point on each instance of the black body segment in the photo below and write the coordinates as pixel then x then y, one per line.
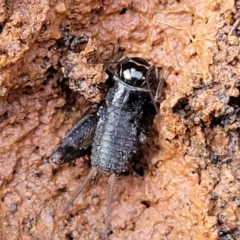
pixel 114 127
pixel 116 135
pixel 77 141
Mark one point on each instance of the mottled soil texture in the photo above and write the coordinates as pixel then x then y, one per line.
pixel 188 186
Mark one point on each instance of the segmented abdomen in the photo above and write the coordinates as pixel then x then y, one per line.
pixel 115 140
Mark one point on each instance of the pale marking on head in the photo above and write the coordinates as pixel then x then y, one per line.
pixel 132 73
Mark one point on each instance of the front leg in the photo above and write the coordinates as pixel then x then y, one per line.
pixel 77 141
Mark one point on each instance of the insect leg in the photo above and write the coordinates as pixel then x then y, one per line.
pixel 112 181
pixel 148 76
pixel 152 74
pixel 91 174
pixel 160 84
pixel 235 25
pixel 77 141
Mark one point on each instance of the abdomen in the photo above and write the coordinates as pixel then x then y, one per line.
pixel 115 140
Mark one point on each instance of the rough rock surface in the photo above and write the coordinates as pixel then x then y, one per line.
pixel 190 186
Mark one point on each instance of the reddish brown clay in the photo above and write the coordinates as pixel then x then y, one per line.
pixel 190 187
